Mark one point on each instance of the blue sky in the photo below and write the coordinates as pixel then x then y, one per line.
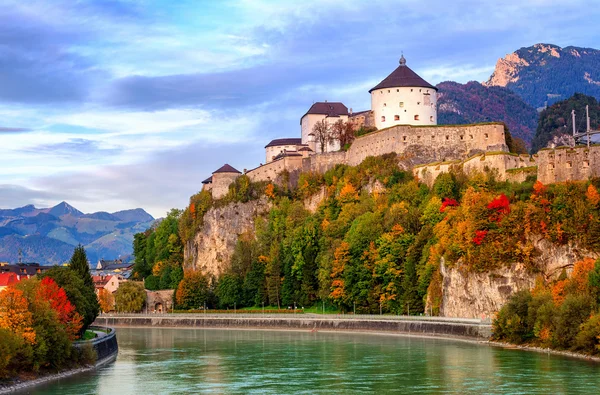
pixel 121 104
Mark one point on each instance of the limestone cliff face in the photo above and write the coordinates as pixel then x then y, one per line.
pixel 211 248
pixel 507 70
pixel 477 295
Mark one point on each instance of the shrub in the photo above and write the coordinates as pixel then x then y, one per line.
pixel 130 297
pixel 512 324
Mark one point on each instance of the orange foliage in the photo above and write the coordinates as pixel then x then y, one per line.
pixel 592 195
pixel 539 188
pixel 193 210
pixel 581 270
pixel 270 191
pixel 106 300
pixel 348 193
pixel 15 315
pixel 324 224
pixel 341 256
pixel 558 292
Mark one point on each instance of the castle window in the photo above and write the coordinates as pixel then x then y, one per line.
pixel 401 104
pixel 416 117
pixel 569 165
pixel 427 99
pixel 486 135
pixel 418 103
pixel 418 137
pixel 586 163
pixel 461 137
pixel 383 119
pixel 551 166
pixel 433 136
pixel 397 90
pixel 419 90
pixel 447 137
pixel 385 105
pixel 471 136
pixel 431 120
pixel 404 138
pixel 411 90
pixel 396 117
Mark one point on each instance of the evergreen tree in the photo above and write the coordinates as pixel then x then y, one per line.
pixel 79 264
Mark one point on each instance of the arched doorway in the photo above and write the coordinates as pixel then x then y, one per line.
pixel 158 307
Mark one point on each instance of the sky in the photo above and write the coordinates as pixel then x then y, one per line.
pixel 111 104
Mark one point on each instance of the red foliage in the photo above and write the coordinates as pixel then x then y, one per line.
pixel 446 202
pixel 59 302
pixel 479 236
pixel 501 207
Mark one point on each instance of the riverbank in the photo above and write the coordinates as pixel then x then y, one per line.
pixel 470 329
pixel 106 349
pixel 549 351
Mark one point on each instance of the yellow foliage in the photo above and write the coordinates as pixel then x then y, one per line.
pixel 270 191
pixel 348 193
pixel 15 315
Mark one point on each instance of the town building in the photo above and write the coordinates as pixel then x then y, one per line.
pixel 23 269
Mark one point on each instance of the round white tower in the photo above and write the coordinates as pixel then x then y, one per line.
pixel 404 98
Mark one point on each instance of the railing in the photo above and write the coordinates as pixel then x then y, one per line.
pixel 299 316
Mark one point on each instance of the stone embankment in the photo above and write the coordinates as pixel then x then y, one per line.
pixel 473 329
pixel 106 348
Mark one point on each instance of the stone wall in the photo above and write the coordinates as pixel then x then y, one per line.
pixel 322 162
pixel 221 182
pixel 429 143
pixel 505 166
pixel 159 301
pixel 568 164
pixel 271 170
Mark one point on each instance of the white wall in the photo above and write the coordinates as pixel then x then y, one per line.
pixel 276 150
pixel 386 103
pixel 307 125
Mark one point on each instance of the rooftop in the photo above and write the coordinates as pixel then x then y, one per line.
pixel 402 77
pixel 207 181
pixel 284 141
pixel 331 109
pixel 226 168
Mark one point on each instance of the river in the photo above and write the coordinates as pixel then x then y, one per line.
pixel 178 361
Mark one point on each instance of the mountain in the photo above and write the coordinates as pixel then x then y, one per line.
pixel 473 102
pixel 546 73
pixel 135 215
pixel 64 208
pixel 49 235
pixel 556 121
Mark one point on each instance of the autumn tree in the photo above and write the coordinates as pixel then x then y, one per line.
pixel 192 291
pixel 15 315
pixel 106 300
pixel 343 132
pixel 49 291
pixel 321 132
pixel 130 297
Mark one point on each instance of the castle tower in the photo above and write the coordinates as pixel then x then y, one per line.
pixel 404 98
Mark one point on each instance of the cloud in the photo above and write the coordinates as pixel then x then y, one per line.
pixel 77 147
pixel 12 196
pixel 14 130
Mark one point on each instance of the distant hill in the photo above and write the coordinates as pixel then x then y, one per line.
pixel 546 73
pixel 473 102
pixel 49 235
pixel 556 120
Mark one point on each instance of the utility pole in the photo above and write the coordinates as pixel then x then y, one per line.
pixel 573 116
pixel 587 115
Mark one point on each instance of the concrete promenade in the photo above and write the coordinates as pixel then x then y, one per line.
pixel 472 329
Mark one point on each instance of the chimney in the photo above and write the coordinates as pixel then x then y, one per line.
pixel 350 110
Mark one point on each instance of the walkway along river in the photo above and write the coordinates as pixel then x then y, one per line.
pixel 472 329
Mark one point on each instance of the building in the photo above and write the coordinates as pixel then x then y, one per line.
pixel 23 269
pixel 109 282
pixel 330 112
pixel 404 98
pixel 279 146
pixel 221 178
pixel 110 267
pixel 8 279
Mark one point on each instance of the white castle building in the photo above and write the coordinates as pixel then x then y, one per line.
pixel 403 98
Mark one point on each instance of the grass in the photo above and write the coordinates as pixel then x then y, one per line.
pixel 88 335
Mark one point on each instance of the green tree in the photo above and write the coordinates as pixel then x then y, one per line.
pixel 130 297
pixel 229 290
pixel 80 265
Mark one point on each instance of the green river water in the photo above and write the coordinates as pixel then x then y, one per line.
pixel 182 361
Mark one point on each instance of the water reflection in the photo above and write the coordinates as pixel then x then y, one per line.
pixel 168 361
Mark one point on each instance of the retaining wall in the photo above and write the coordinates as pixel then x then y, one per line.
pixel 426 326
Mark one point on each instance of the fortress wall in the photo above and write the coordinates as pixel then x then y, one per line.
pixel 320 163
pixel 568 164
pixel 500 163
pixel 270 171
pixel 439 142
pixel 220 183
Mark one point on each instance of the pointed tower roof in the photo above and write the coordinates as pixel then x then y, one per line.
pixel 226 169
pixel 402 77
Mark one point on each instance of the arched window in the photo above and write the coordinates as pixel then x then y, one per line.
pixel 416 117
pixel 396 117
pixel 382 118
pixel 431 119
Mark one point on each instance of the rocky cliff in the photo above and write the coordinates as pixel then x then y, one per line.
pixel 211 248
pixel 480 295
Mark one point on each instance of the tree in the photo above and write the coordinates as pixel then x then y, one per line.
pixel 229 290
pixel 322 135
pixel 79 264
pixel 49 291
pixel 15 315
pixel 193 291
pixel 130 297
pixel 83 297
pixel 343 132
pixel 106 300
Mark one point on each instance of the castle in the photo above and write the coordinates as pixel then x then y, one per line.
pixel 404 114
